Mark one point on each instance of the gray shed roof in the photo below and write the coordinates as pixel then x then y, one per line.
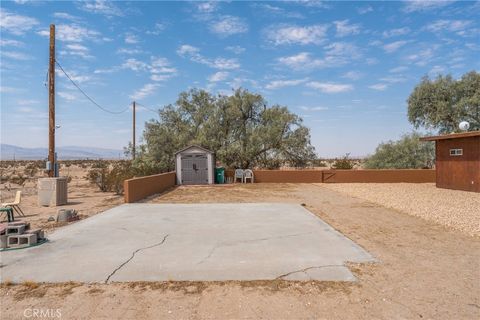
pixel 193 146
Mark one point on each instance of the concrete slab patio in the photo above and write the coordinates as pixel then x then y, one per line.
pixel 194 242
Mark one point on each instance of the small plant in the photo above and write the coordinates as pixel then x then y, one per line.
pixel 343 163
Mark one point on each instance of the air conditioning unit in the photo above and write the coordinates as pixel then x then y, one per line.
pixel 52 191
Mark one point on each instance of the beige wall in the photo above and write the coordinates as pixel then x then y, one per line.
pixel 343 176
pixel 379 176
pixel 139 188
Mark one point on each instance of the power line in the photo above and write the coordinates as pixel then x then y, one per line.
pixel 87 96
pixel 149 109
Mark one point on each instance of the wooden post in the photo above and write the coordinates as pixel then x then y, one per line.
pixel 51 103
pixel 133 139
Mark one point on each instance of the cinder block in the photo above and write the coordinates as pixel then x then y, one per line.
pixel 15 230
pixel 22 240
pixel 39 232
pixel 3 241
pixel 20 223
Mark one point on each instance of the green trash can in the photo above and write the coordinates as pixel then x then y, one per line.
pixel 220 175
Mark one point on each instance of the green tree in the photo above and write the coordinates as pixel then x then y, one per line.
pixel 240 128
pixel 407 153
pixel 444 102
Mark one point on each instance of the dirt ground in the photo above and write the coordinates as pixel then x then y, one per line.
pixel 425 271
pixel 82 196
pixel 452 208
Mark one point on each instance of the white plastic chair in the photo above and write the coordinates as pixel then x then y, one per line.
pixel 15 205
pixel 238 175
pixel 248 174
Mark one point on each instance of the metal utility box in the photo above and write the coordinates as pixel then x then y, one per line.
pixel 195 165
pixel 52 191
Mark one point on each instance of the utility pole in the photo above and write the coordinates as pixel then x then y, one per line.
pixel 133 139
pixel 51 104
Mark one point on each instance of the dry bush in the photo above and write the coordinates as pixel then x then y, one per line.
pixel 344 163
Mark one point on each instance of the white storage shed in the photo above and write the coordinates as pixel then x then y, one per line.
pixel 195 165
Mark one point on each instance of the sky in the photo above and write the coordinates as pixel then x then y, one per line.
pixel 347 68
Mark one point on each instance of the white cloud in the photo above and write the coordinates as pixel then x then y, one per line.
pixel 7 89
pixel 147 90
pixel 352 75
pixel 107 8
pixel 76 49
pixel 207 7
pixel 344 28
pixel 67 96
pixel 329 87
pixel 364 10
pixel 396 32
pixel 223 63
pixel 71 33
pixel 398 69
pixel 275 10
pixel 342 50
pixel 228 25
pixel 291 34
pixel 218 76
pixel 336 54
pixel 313 3
pixel 158 67
pixel 276 84
pixel 134 65
pixel 129 51
pixel 379 86
pixel 235 49
pixel 16 55
pixel 11 43
pixel 459 27
pixel 305 108
pixel 75 76
pixel 130 38
pixel 193 53
pixel 66 16
pixel 16 24
pixel 423 57
pixel 436 70
pixel 27 102
pixel 393 79
pixel 394 46
pixel 300 61
pixel 424 5
pixel 157 29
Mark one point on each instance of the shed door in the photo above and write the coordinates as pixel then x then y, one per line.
pixel 194 169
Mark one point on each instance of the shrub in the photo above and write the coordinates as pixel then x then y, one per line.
pixel 31 170
pixel 343 163
pixel 110 177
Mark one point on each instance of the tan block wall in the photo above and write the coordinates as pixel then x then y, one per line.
pixel 379 176
pixel 343 176
pixel 139 188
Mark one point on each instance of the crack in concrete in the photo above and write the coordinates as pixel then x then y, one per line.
pixel 133 255
pixel 234 243
pixel 308 268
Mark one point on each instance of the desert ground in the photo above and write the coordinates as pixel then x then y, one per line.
pixel 427 265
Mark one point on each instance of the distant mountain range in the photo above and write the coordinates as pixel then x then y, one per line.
pixel 10 152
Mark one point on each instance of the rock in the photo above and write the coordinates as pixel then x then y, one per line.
pixel 51 218
pixel 66 215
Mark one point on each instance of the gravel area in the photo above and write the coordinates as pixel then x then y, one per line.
pixel 459 210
